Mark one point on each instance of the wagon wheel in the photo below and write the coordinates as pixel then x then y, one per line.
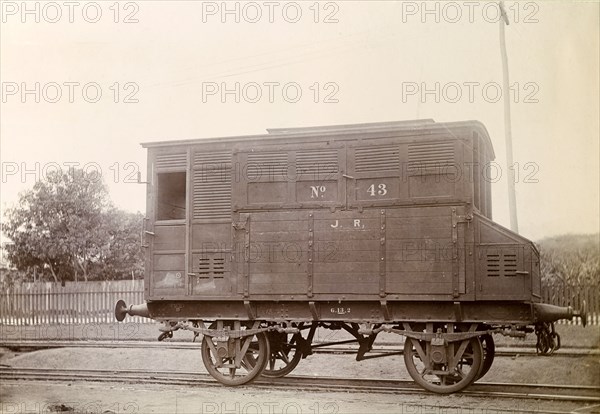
pixel 284 355
pixel 489 351
pixel 440 377
pixel 235 361
pixel 543 345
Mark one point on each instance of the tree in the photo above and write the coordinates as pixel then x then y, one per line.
pixel 571 259
pixel 124 254
pixel 67 227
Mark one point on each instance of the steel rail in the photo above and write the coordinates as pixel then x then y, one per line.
pixel 552 392
pixel 318 347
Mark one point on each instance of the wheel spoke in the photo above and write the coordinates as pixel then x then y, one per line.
pixel 272 362
pixel 418 348
pixel 213 351
pixel 284 349
pixel 284 357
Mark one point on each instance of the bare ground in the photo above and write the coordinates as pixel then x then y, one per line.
pixel 118 398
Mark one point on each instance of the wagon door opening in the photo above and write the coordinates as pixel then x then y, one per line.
pixel 170 196
pixel 166 235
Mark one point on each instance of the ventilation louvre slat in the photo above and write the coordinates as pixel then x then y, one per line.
pixel 167 161
pixel 317 162
pixel 273 158
pixel 372 159
pixel 211 159
pixel 501 265
pixel 429 155
pixel 214 266
pixel 211 195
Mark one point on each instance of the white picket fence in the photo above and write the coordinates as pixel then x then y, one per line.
pixel 75 302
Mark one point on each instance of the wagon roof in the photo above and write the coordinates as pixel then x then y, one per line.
pixel 420 126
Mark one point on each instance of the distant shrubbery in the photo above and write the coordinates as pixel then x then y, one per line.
pixel 571 259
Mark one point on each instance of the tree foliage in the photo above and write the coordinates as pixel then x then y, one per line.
pixel 571 259
pixel 67 229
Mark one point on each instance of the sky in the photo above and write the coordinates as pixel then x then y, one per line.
pixel 84 84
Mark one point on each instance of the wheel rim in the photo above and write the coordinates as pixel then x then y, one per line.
pixel 489 351
pixel 223 361
pixel 437 378
pixel 284 354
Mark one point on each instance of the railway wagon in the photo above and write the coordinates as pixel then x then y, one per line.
pixel 256 242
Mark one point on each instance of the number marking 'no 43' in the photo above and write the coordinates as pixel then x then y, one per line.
pixel 380 190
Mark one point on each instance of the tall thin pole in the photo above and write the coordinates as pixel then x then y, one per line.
pixel 512 198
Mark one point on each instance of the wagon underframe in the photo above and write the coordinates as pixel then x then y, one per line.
pixel 501 312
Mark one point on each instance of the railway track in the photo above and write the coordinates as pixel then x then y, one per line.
pixel 550 392
pixel 24 346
